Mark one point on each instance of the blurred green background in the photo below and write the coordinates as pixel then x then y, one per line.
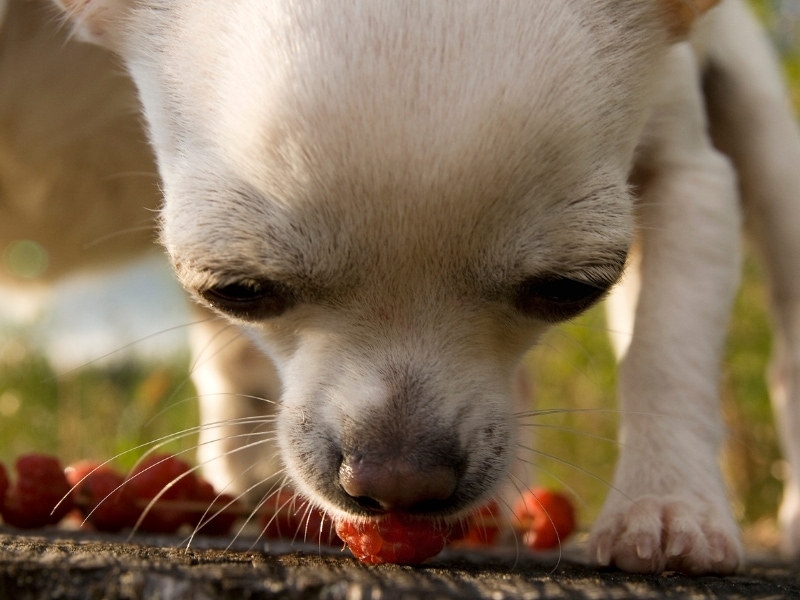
pixel 99 412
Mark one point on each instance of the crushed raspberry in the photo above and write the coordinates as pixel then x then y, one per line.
pixel 288 517
pixel 147 480
pixel 40 486
pixel 547 518
pixel 394 538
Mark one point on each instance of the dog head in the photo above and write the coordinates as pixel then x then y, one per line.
pixel 395 199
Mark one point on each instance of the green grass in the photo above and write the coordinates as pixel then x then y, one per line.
pixel 91 413
pixel 769 12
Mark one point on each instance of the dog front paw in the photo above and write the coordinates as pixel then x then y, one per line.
pixel 654 534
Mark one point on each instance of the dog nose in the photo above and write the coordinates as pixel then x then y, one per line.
pixel 397 485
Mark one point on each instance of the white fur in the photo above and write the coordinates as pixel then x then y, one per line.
pixel 404 168
pixel 689 271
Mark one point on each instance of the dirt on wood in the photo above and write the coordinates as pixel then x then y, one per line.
pixel 76 565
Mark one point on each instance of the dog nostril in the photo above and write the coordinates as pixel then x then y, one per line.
pixel 397 485
pixel 368 503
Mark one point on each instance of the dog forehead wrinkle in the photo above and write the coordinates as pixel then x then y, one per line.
pixel 225 231
pixel 327 250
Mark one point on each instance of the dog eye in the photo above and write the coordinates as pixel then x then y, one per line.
pixel 557 298
pixel 250 300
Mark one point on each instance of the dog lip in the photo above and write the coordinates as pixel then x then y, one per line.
pixel 365 507
pixel 427 508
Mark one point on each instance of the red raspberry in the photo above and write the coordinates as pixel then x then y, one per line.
pixel 221 514
pixel 152 475
pixel 99 496
pixel 481 528
pixel 286 516
pixel 394 538
pixel 3 486
pixel 547 518
pixel 40 486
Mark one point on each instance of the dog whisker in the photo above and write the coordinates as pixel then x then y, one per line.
pixel 226 395
pixel 275 489
pixel 572 430
pixel 238 497
pixel 190 472
pixel 203 356
pixel 519 485
pixel 124 347
pixel 118 234
pixel 567 463
pixel 154 445
pixel 133 174
pixel 162 441
pixel 277 485
pixel 719 429
pixel 544 412
pixel 552 523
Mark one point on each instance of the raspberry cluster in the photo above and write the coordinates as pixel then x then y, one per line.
pixel 33 501
pixel 162 493
pixel 159 495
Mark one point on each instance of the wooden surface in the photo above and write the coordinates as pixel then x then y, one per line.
pixel 66 565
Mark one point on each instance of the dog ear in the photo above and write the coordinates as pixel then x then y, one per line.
pixel 681 14
pixel 92 19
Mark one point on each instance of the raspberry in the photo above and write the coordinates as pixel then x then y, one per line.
pixel 40 486
pixel 98 495
pixel 547 518
pixel 221 514
pixel 287 516
pixel 152 475
pixel 395 538
pixel 481 528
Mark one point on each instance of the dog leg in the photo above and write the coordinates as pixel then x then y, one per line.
pixel 668 508
pixel 621 305
pixel 752 122
pixel 238 389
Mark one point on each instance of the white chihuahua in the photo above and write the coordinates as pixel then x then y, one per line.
pixel 395 199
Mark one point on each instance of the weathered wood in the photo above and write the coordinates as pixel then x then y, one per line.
pixel 75 565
